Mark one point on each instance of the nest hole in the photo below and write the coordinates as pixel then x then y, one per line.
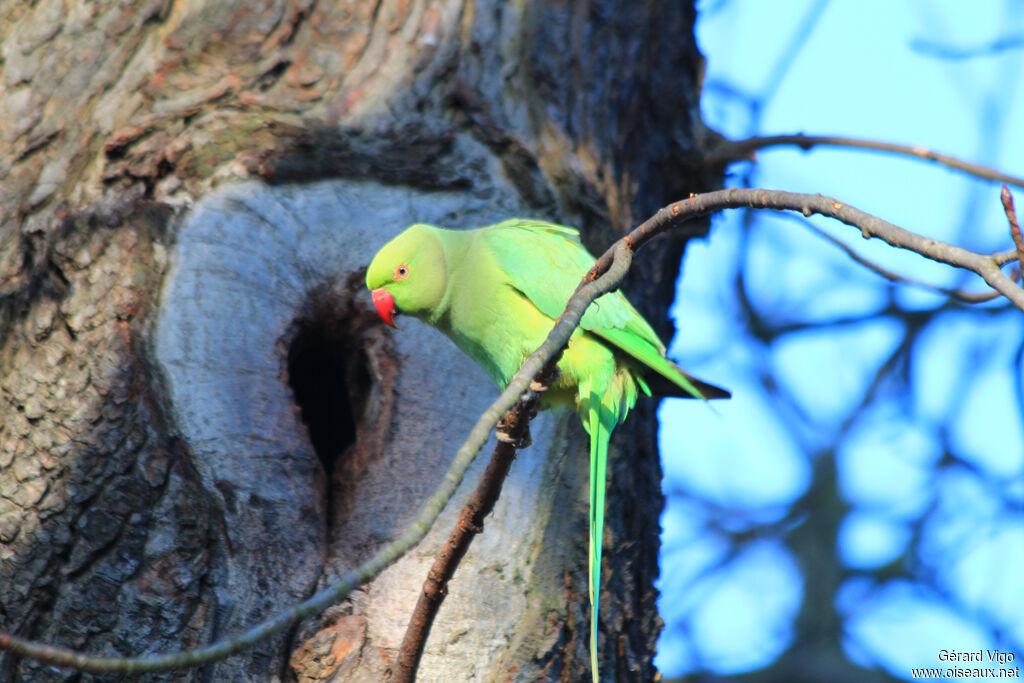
pixel 334 359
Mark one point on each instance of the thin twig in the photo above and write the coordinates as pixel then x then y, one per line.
pixel 958 294
pixel 470 523
pixel 724 153
pixel 957 52
pixel 1011 215
pixel 987 266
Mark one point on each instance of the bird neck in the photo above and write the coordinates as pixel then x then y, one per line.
pixel 456 244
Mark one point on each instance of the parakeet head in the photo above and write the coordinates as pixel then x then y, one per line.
pixel 408 274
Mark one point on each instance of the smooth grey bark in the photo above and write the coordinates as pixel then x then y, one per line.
pixel 189 190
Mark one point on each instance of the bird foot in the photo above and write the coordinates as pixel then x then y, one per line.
pixel 502 434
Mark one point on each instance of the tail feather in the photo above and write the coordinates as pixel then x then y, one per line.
pixel 660 386
pixel 599 423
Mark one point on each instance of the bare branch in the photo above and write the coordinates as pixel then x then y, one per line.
pixel 513 435
pixel 958 294
pixel 1011 215
pixel 725 152
pixel 870 226
pixel 587 292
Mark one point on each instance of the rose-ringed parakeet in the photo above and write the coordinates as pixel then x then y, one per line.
pixel 496 292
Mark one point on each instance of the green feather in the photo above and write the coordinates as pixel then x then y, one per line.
pixel 496 292
pixel 599 422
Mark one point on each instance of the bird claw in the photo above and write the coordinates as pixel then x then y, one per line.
pixel 504 437
pixel 518 444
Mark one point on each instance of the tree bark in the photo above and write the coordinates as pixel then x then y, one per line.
pixel 201 422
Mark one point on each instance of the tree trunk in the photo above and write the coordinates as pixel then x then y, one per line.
pixel 201 421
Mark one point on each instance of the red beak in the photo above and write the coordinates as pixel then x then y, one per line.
pixel 385 305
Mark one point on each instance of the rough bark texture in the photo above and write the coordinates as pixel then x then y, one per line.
pixel 158 318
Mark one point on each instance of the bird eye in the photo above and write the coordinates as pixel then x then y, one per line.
pixel 401 272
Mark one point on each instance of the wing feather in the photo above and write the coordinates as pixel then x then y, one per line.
pixel 546 262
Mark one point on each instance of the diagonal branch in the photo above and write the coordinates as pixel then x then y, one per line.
pixel 511 437
pixel 584 295
pixel 726 152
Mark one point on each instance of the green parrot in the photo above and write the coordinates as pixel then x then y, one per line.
pixel 496 293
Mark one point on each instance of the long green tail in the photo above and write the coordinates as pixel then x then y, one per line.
pixel 600 432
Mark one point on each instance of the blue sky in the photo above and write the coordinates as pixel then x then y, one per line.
pixel 931 464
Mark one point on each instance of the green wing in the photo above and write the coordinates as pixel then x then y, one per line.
pixel 546 261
